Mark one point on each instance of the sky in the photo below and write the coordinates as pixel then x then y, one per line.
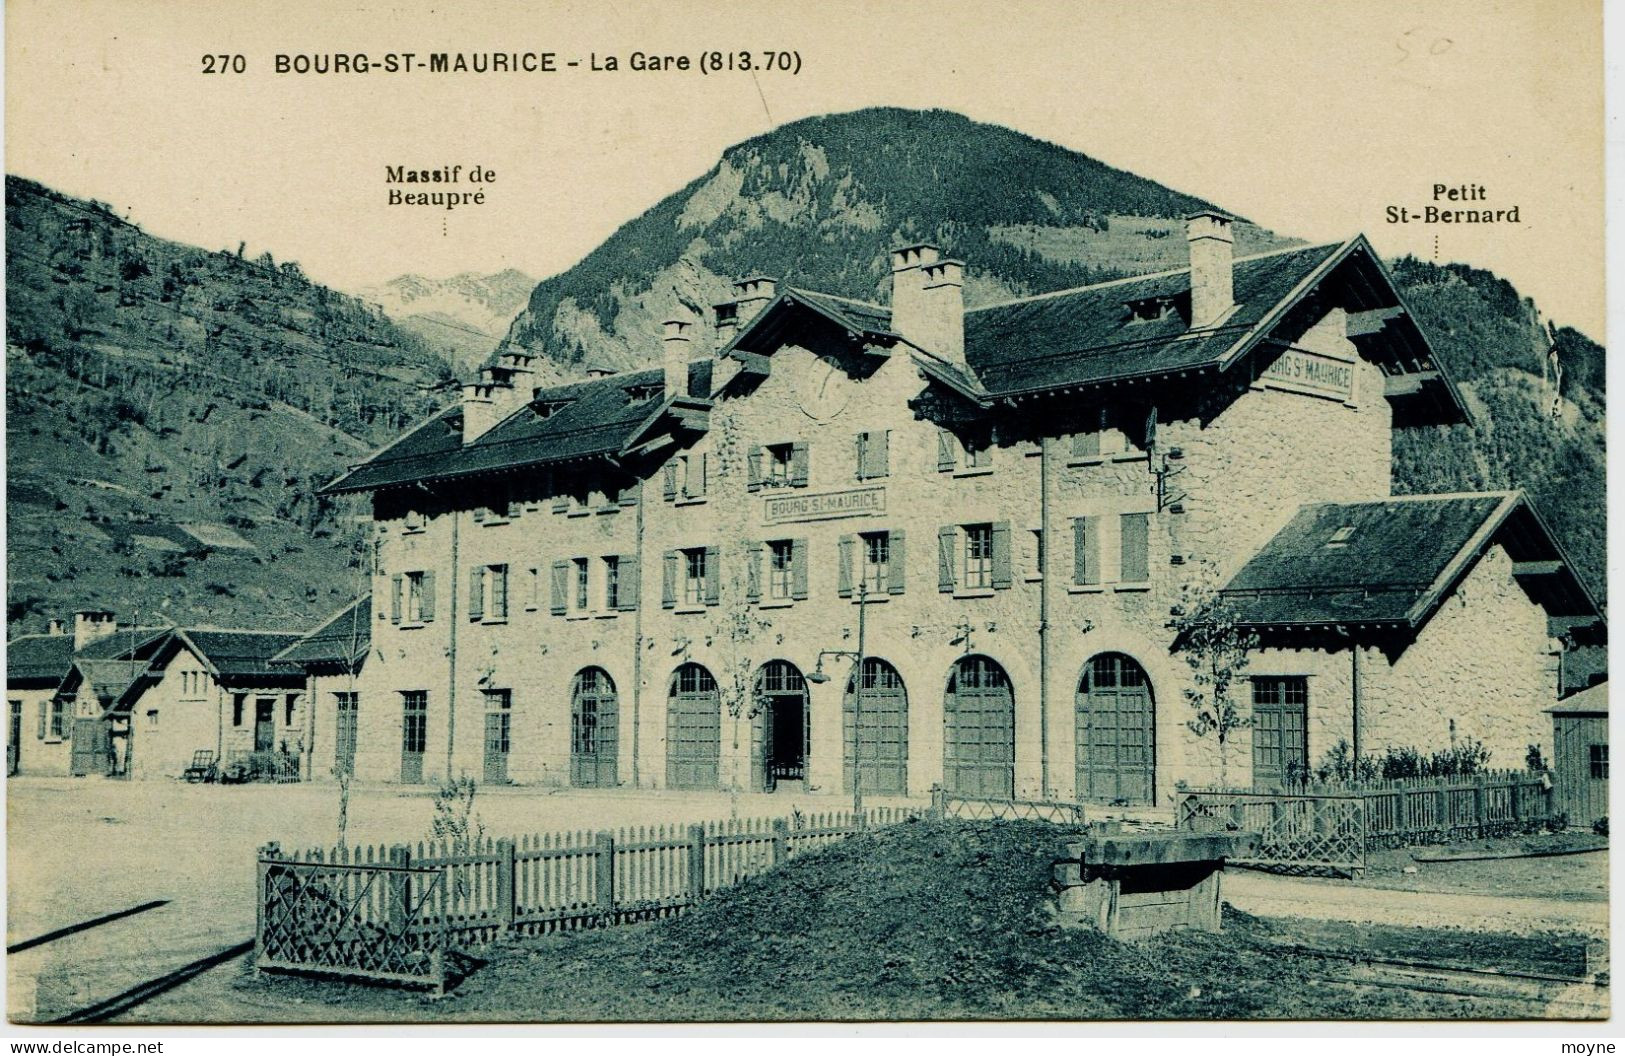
pixel 1310 119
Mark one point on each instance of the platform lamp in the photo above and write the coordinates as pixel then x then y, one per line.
pixel 819 678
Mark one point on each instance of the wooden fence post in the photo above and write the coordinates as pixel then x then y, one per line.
pixel 781 840
pixel 1481 805
pixel 605 873
pixel 269 850
pixel 696 862
pixel 400 886
pixel 505 866
pixel 939 803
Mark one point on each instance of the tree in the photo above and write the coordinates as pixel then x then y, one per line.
pixel 1217 647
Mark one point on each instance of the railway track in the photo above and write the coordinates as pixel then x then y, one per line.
pixel 141 993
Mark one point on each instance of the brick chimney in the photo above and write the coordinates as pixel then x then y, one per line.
pixel 928 301
pixel 675 354
pixel 54 628
pixel 502 388
pixel 1212 283
pixel 479 408
pixel 92 625
pixel 752 295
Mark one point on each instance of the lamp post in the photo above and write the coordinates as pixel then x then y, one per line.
pixel 818 676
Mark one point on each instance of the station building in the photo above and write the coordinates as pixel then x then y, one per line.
pixel 666 578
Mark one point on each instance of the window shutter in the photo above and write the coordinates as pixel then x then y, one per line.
pixel 798 464
pixel 713 575
pixel 427 607
pixel 872 454
pixel 559 600
pixel 395 587
pixel 1086 445
pixel 476 593
pixel 753 571
pixel 945 452
pixel 863 455
pixel 668 582
pixel 879 452
pixel 694 486
pixel 671 481
pixel 946 545
pixel 1001 555
pixel 1151 428
pixel 44 706
pixel 1085 551
pixel 628 600
pixel 1136 559
pixel 847 545
pixel 798 569
pixel 753 469
pixel 894 575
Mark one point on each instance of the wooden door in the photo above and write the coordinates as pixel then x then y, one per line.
pixel 1115 732
pixel 693 729
pixel 90 748
pixel 264 724
pixel 979 742
pixel 882 749
pixel 1280 718
pixel 346 707
pixel 594 730
pixel 414 735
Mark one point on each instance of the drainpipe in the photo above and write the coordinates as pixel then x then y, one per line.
pixel 637 644
pixel 451 648
pixel 1354 680
pixel 1043 614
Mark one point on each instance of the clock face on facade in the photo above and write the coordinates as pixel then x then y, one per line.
pixel 822 391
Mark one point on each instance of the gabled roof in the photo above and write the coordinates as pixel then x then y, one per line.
pixel 1089 336
pixel 1391 563
pixel 241 655
pixel 341 639
pixel 116 683
pixel 1590 701
pixel 43 659
pixel 585 419
pixel 766 329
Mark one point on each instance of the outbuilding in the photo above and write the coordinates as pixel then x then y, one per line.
pixel 1580 755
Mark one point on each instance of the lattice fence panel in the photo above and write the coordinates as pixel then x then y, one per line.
pixel 1296 833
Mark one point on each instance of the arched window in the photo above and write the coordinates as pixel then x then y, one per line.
pixel 594 729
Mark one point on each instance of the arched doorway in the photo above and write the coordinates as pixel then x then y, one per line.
pixel 1116 732
pixel 594 729
pixel 779 730
pixel 693 728
pixel 979 730
pixel 883 744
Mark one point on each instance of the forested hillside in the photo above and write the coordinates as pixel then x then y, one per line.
pixel 170 414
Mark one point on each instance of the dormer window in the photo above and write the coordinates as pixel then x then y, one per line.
pixel 641 393
pixel 1145 308
pixel 1341 537
pixel 548 408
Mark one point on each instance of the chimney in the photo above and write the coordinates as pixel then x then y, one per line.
pixel 54 628
pixel 727 318
pixel 752 295
pixel 92 625
pixel 597 370
pixel 928 301
pixel 479 408
pixel 675 354
pixel 1212 288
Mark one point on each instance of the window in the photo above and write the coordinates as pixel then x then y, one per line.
pixel 694 572
pixel 582 577
pixel 1341 537
pixel 612 583
pixel 534 594
pixel 238 702
pixel 873 458
pixel 777 471
pixel 1086 551
pixel 1107 437
pixel 978 453
pixel 55 720
pixel 1599 761
pixel 780 569
pixel 876 561
pixel 691 472
pixel 418 603
pixel 1280 722
pixel 414 721
pixel 414 521
pixel 499 707
pixel 152 718
pixel 1134 555
pixel 288 705
pixel 1035 553
pixel 978 569
pixel 498 577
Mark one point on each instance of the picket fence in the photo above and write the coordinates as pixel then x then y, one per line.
pixel 1405 811
pixel 558 881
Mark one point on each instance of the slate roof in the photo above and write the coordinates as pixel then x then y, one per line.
pixel 342 638
pixel 111 679
pixel 1393 562
pixel 45 658
pixel 1087 335
pixel 588 418
pixel 242 655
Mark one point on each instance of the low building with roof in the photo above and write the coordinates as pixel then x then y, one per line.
pixel 1579 758
pixel 332 657
pixel 832 542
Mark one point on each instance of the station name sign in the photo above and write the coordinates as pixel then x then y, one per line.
pixel 856 502
pixel 1299 371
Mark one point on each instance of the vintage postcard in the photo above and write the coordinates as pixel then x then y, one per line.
pixel 692 513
